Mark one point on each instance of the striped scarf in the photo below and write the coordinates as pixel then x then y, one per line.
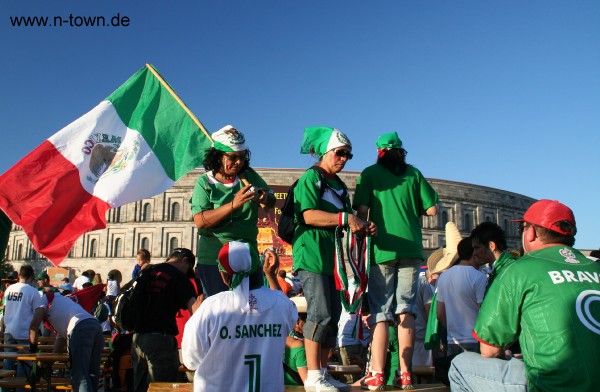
pixel 359 259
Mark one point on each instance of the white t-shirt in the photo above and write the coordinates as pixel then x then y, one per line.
pixel 424 297
pixel 461 289
pixel 20 301
pixel 112 287
pixel 78 283
pixel 229 349
pixel 64 313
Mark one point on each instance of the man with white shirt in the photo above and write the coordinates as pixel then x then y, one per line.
pixel 78 283
pixel 77 329
pixel 236 339
pixel 460 292
pixel 20 301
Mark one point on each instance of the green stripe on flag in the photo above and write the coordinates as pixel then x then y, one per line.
pixel 144 104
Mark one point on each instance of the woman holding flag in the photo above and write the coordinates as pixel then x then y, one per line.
pixel 322 204
pixel 225 203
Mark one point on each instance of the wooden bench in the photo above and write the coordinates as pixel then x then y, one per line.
pixel 423 374
pixel 22 382
pixel 7 373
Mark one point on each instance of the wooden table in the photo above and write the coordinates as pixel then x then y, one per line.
pixel 189 387
pixel 38 360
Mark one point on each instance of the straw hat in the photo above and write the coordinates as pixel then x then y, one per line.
pixel 300 303
pixel 444 258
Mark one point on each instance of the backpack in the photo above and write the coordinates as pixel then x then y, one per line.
pixel 133 301
pixel 287 225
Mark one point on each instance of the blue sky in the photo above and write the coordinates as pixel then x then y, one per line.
pixel 503 94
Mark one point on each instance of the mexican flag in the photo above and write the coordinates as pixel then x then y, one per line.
pixel 133 145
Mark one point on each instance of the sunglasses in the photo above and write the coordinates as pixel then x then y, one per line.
pixel 521 228
pixel 343 153
pixel 236 157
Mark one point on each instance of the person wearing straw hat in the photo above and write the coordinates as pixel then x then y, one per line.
pixel 394 195
pixel 225 202
pixel 235 341
pixel 317 214
pixel 548 300
pixel 460 292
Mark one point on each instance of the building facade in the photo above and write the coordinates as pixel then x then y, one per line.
pixel 164 222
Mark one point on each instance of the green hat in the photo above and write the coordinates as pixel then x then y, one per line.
pixel 43 275
pixel 389 140
pixel 229 139
pixel 323 139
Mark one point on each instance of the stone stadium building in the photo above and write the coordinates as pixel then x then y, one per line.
pixel 165 222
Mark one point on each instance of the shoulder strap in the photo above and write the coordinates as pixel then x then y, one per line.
pixel 321 172
pixel 294 374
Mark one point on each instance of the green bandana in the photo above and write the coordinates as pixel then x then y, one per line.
pixel 323 139
pixel 389 140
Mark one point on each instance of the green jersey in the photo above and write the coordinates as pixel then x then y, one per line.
pixel 314 247
pixel 550 301
pixel 210 194
pixel 396 204
pixel 294 358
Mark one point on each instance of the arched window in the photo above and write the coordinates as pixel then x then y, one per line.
pixel 467 222
pixel 444 218
pixel 93 251
pixel 118 248
pixel 145 243
pixel 20 252
pixel 173 244
pixel 146 214
pixel 174 211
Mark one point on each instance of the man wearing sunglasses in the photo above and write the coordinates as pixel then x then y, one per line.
pixel 548 300
pixel 393 195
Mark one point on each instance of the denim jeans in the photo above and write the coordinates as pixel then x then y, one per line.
pixel 392 289
pixel 324 307
pixel 86 343
pixel 473 373
pixel 23 368
pixel 210 277
pixel 155 358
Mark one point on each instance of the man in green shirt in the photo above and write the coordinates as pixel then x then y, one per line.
pixel 549 301
pixel 394 195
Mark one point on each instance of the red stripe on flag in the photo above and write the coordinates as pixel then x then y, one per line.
pixel 42 193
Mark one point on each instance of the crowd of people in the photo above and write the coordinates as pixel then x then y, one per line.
pixel 483 316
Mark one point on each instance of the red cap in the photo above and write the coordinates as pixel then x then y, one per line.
pixel 549 214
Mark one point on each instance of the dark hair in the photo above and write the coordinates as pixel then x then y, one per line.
pixel 487 232
pixel 85 273
pixel 465 249
pixel 26 271
pixel 144 254
pixel 595 253
pixel 394 160
pixel 552 237
pixel 86 285
pixel 183 254
pixel 214 157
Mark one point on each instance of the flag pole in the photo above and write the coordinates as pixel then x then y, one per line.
pixel 187 110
